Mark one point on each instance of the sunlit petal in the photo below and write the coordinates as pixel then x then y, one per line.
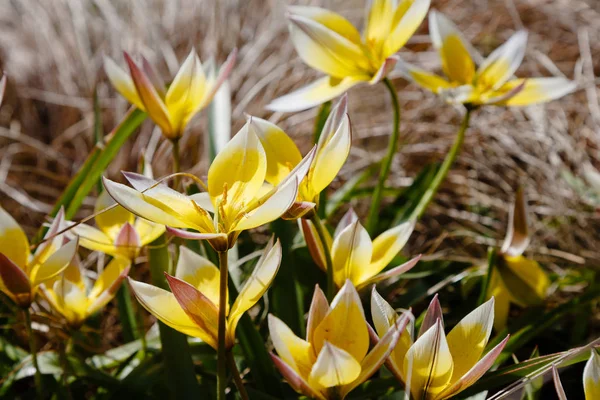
pixel 408 24
pixel 591 377
pixel 540 90
pixel 110 221
pixel 351 253
pixel 95 304
pixel 295 352
pixel 295 381
pixel 319 307
pixel 122 82
pixel 13 241
pixel 108 276
pixel 55 264
pixel 334 367
pixel 198 272
pixel 502 63
pixel 432 316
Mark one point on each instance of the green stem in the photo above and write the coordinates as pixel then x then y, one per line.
pixel 328 263
pixel 444 168
pixel 176 163
pixel 38 375
pixel 126 314
pixel 386 163
pixel 236 376
pixel 491 261
pixel 221 350
pixel 64 354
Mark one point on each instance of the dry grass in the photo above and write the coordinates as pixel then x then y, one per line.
pixel 52 52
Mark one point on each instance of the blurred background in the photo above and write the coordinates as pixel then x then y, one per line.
pixel 52 51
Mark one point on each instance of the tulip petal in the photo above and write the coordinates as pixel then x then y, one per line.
pixel 313 242
pixel 123 83
pixel 110 291
pixel 390 273
pixel 203 200
pixel 385 247
pixel 71 300
pixel 428 363
pixel 295 380
pixel 332 149
pixel 473 375
pixel 502 63
pixel 148 231
pixel 349 218
pixel 13 280
pixel 137 203
pixel 198 272
pixel 454 50
pixel 325 49
pixel 329 19
pixel 295 352
pixel 281 151
pixel 517 234
pixel 256 285
pixel 432 316
pixel 426 80
pixel 110 274
pixel 110 221
pixel 539 90
pixel 385 69
pixel 467 340
pixel 237 173
pixel 153 104
pixel 408 23
pixel 165 307
pixel 182 233
pixel 502 300
pixel 55 264
pixel 13 241
pixel 524 279
pixel 591 377
pixel 196 305
pixel 379 22
pixel 319 307
pixel 344 326
pixel 334 367
pixel 313 94
pixel 351 253
pixel 378 355
pixel 128 241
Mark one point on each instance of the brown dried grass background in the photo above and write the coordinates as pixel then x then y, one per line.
pixel 52 52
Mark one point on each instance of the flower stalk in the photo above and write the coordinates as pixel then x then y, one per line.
pixel 386 164
pixel 33 351
pixel 236 376
pixel 327 252
pixel 444 168
pixel 176 163
pixel 222 350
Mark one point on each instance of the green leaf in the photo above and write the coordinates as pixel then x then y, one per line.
pixel 177 358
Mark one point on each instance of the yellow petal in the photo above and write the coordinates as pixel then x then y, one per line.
pixel 426 80
pixel 295 352
pixel 379 23
pixel 334 367
pixel 468 338
pixel 123 83
pixel 319 307
pixel 406 22
pixel 94 239
pixel 453 48
pixel 344 326
pixel 111 221
pixel 165 307
pixel 429 364
pixel 198 272
pixel 332 149
pixel 13 241
pixel 385 247
pixel 326 50
pixel 148 231
pixel 256 285
pixel 52 240
pixel 329 19
pixel 281 151
pixel 55 264
pixel 95 304
pixel 351 253
pixel 502 300
pixel 238 171
pixel 108 276
pixel 71 300
pixel 524 279
pixel 313 94
pixel 502 63
pixel 539 90
pixel 186 93
pixel 517 234
pixel 591 377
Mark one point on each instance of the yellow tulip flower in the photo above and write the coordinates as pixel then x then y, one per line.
pixel 436 366
pixel 591 377
pixel 119 232
pixel 327 42
pixel 325 161
pixel 335 358
pixel 21 273
pixel 516 279
pixel 192 306
pixel 492 82
pixel 171 109
pixel 354 255
pixel 236 195
pixel 70 297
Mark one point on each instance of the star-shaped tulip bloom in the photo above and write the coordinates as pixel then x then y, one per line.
pixel 119 232
pixel 236 200
pixel 492 82
pixel 171 109
pixel 335 358
pixel 438 366
pixel 21 273
pixel 328 42
pixel 354 255
pixel 192 306
pixel 591 377
pixel 516 279
pixel 325 160
pixel 73 297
